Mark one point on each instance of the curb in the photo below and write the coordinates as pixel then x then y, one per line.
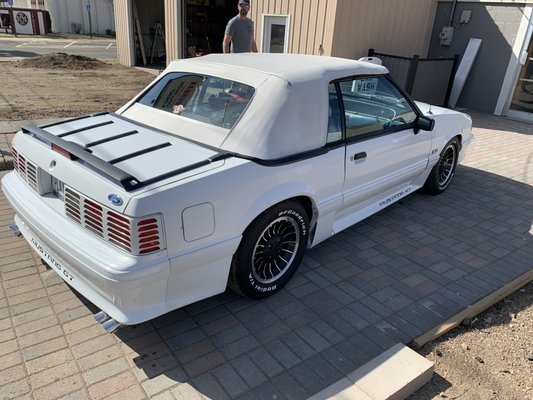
pixel 393 375
pixel 404 370
pixel 472 310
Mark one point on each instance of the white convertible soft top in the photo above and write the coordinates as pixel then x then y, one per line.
pixel 289 111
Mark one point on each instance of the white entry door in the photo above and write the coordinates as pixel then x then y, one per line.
pixel 275 33
pixel 521 104
pixel 516 96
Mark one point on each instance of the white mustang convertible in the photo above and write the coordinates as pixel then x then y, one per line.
pixel 222 172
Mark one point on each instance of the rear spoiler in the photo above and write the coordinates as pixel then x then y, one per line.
pixel 106 168
pixel 127 181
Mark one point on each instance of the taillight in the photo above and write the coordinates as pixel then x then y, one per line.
pixel 22 165
pixel 15 154
pixel 149 235
pixel 137 236
pixel 119 230
pixel 26 169
pixel 93 216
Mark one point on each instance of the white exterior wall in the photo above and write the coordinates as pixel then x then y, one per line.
pixel 65 12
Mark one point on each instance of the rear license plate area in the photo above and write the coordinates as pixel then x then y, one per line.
pixel 58 188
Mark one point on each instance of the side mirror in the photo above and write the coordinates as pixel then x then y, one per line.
pixel 424 123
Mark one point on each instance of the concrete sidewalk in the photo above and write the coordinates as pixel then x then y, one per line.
pixel 401 276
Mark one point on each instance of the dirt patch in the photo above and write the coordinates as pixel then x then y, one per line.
pixel 489 358
pixel 62 61
pixel 56 90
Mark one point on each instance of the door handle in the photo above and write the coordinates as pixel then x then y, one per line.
pixel 358 156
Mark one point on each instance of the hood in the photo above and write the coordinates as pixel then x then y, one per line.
pixel 429 109
pixel 447 120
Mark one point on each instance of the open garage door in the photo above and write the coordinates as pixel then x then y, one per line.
pixel 198 29
pixel 149 32
pixel 205 23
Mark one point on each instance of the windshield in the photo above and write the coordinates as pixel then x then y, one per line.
pixel 215 101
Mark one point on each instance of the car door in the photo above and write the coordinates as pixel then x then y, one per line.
pixel 384 154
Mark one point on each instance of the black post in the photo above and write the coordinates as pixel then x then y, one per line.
pixel 455 65
pixel 411 74
pixel 371 53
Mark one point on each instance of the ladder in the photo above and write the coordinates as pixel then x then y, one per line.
pixel 138 31
pixel 158 32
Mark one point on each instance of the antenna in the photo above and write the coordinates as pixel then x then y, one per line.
pixel 429 111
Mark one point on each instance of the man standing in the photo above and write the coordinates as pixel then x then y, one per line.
pixel 240 31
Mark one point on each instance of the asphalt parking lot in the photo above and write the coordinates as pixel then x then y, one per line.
pixel 102 48
pixel 392 278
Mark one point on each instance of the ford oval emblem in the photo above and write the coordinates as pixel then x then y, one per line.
pixel 115 199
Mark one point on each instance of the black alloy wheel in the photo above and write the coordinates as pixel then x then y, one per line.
pixel 270 251
pixel 442 173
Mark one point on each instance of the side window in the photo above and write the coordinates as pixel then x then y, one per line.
pixel 334 116
pixel 372 104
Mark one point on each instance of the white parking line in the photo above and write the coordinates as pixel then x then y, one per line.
pixel 31 42
pixel 70 44
pixel 110 44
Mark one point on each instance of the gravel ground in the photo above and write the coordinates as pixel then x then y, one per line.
pixel 490 357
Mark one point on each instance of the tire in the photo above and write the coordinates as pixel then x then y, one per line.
pixel 442 173
pixel 270 251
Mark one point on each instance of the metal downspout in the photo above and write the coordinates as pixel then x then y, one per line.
pixel 453 12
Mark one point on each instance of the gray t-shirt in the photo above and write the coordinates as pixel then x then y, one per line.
pixel 242 33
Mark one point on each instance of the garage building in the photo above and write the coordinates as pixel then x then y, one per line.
pixel 500 80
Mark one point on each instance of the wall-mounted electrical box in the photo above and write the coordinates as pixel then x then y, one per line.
pixel 446 35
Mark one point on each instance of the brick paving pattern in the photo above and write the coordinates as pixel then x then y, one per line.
pixel 6 162
pixel 388 279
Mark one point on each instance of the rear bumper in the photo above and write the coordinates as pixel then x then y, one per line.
pixel 131 289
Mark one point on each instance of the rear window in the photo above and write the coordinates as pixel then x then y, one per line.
pixel 215 101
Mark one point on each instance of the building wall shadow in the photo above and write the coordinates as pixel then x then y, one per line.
pixel 489 121
pixel 497 25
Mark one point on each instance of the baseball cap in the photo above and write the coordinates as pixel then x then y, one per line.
pixel 245 2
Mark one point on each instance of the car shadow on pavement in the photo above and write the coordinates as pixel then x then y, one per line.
pixel 16 53
pixel 388 279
